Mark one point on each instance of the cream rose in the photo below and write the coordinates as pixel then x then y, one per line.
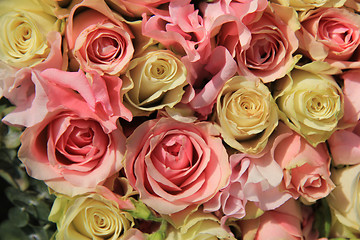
pixel 312 103
pixel 196 225
pixel 302 5
pixel 246 114
pixel 157 80
pixel 354 4
pixel 344 201
pixel 89 217
pixel 23 34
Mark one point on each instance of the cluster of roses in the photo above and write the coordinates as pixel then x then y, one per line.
pixel 214 119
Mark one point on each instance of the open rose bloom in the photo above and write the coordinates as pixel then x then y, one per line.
pixel 174 165
pixel 180 119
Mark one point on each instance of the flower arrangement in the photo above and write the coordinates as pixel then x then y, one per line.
pixel 179 119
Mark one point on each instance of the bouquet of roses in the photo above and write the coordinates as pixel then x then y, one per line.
pixel 179 119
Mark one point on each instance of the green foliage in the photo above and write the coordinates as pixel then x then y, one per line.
pixel 141 211
pixel 160 234
pixel 322 218
pixel 29 199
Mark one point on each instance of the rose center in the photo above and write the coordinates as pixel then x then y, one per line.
pixel 175 152
pixel 82 136
pixel 105 48
pixel 99 220
pixel 159 69
pixel 260 53
pixel 339 34
pixel 173 149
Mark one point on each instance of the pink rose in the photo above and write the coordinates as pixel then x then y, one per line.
pixel 78 145
pixel 307 224
pixel 345 146
pixel 135 8
pixel 351 88
pixel 28 95
pixel 180 28
pixel 225 21
pixel 245 9
pixel 174 165
pixel 269 55
pixel 231 200
pixel 99 39
pixel 284 222
pixel 23 88
pixel 93 94
pixel 306 168
pixel 206 80
pixel 253 178
pixel 332 35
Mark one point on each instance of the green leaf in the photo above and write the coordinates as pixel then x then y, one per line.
pixel 10 231
pixel 142 211
pixel 20 198
pixel 42 210
pixel 12 137
pixel 29 202
pixel 322 218
pixel 159 234
pixel 8 178
pixel 42 189
pixel 39 233
pixel 18 216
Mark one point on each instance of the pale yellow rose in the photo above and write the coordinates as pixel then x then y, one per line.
pixel 311 104
pixel 192 224
pixel 89 217
pixel 354 4
pixel 25 25
pixel 246 114
pixel 344 202
pixel 302 5
pixel 157 80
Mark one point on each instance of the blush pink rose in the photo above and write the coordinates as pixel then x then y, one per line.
pixel 206 80
pixel 28 95
pixel 135 8
pixel 307 224
pixel 281 223
pixel 332 35
pixel 351 88
pixel 78 144
pixel 306 168
pixel 92 94
pixel 253 178
pixel 179 28
pixel 99 39
pixel 269 54
pixel 173 165
pixel 24 89
pixel 70 153
pixel 231 200
pixel 225 21
pixel 345 146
